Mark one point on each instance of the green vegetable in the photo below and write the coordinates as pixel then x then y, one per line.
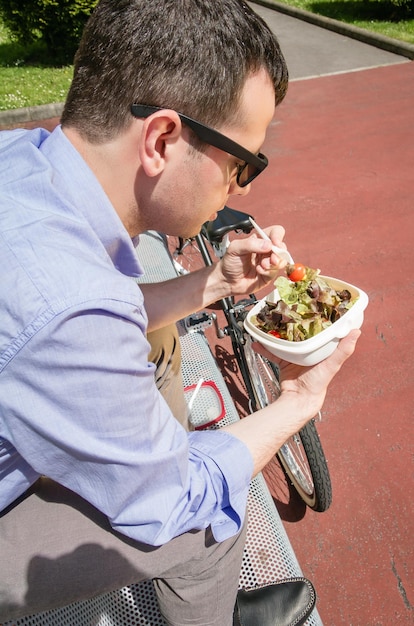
pixel 305 308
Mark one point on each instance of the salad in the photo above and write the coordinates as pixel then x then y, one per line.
pixel 307 305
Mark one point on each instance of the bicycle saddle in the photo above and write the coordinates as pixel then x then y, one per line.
pixel 227 220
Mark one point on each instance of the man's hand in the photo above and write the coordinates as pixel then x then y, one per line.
pixel 310 383
pixel 249 264
pixel 303 393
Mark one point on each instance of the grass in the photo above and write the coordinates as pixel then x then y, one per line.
pixel 28 77
pixel 31 86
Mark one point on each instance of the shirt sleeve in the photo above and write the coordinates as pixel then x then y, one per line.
pixel 84 410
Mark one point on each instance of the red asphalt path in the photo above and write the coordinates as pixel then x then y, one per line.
pixel 341 181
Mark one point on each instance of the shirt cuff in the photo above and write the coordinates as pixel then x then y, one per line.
pixel 235 463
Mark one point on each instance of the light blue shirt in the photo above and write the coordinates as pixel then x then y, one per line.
pixel 78 401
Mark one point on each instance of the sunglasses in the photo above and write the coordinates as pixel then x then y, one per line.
pixel 253 164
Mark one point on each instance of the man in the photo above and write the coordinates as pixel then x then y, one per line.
pixel 130 494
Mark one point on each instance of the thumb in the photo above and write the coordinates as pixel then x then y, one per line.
pixel 345 349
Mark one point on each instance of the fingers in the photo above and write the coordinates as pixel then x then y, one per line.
pixel 276 234
pixel 321 375
pixel 329 368
pixel 266 262
pixel 260 250
pixel 272 261
pixel 346 348
pixel 257 245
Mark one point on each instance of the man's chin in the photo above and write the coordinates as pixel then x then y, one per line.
pixel 184 235
pixel 191 235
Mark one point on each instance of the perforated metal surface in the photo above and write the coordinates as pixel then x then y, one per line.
pixel 130 606
pixel 268 554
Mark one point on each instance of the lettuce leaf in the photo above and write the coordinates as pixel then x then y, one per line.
pixel 305 308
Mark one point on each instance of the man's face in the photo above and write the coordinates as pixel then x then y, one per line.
pixel 199 184
pixel 216 175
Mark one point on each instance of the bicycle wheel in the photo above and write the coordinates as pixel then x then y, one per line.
pixel 302 456
pixel 191 254
pixel 185 254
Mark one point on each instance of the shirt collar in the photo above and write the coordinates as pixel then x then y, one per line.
pixel 76 181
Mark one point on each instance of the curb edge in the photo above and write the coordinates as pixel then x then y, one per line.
pixel 30 114
pixel 374 39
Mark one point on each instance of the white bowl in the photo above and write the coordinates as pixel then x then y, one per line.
pixel 313 350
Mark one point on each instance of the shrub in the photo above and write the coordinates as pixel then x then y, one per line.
pixel 400 9
pixel 58 23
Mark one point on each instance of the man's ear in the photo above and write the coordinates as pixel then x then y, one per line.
pixel 159 134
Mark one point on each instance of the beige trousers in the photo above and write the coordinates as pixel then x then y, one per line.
pixel 166 354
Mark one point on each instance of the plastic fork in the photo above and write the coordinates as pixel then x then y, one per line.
pixel 281 252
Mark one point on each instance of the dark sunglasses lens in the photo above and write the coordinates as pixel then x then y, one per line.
pixel 246 174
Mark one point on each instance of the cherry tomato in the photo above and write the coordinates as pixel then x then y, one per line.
pixel 275 333
pixel 296 272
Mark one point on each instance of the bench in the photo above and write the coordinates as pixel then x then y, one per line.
pixel 268 554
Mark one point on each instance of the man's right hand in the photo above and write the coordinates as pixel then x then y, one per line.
pixel 303 393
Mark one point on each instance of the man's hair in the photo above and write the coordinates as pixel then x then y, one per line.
pixel 193 56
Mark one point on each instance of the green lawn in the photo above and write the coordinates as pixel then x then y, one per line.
pixel 30 86
pixel 28 78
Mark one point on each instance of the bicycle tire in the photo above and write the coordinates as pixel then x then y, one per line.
pixel 318 493
pixel 302 456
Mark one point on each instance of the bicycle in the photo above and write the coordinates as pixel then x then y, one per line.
pixel 302 456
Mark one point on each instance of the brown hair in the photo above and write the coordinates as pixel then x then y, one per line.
pixel 189 55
